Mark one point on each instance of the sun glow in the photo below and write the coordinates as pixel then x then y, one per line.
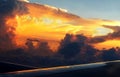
pixel 101 31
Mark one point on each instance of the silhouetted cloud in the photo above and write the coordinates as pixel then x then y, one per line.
pixel 71 45
pixel 74 49
pixel 97 39
pixel 40 49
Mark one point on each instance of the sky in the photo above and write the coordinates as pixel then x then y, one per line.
pixel 44 22
pixel 103 9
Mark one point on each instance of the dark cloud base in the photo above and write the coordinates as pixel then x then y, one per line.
pixel 70 52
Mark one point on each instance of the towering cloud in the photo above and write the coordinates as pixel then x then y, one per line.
pixel 20 20
pixel 9 9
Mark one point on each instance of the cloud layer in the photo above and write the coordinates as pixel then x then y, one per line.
pixel 21 20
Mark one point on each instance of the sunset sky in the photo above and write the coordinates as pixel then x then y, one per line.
pixel 48 19
pixel 59 31
pixel 53 19
pixel 104 9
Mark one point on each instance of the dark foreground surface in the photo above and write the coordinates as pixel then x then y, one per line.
pixel 10 67
pixel 102 69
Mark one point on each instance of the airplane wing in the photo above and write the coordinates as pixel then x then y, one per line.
pixel 100 69
pixel 10 67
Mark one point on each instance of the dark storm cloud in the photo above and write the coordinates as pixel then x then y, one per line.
pixel 9 6
pixel 71 45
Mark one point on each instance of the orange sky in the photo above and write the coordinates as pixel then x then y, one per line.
pixel 51 23
pixel 108 44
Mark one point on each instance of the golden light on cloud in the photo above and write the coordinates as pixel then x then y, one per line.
pixel 24 0
pixel 51 23
pixel 108 44
pixel 44 28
